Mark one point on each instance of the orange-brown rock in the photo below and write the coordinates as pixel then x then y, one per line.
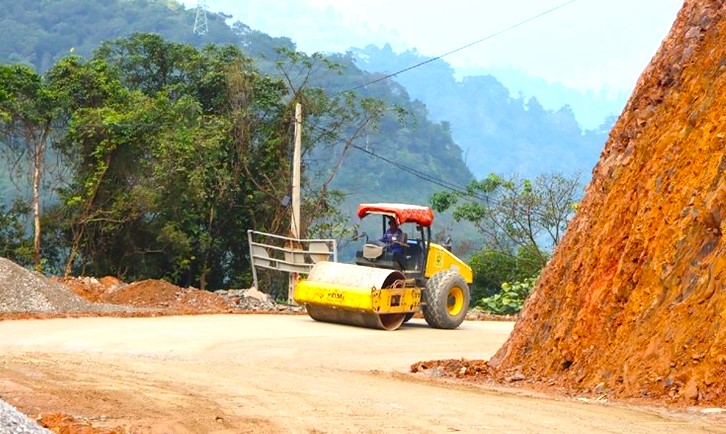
pixel 633 302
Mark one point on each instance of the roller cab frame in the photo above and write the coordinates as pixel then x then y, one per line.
pixel 385 289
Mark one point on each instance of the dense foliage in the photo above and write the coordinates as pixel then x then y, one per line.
pixel 173 153
pixel 492 268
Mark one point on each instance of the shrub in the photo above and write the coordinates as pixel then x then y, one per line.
pixel 510 299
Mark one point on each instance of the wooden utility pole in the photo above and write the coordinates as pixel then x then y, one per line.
pixel 295 223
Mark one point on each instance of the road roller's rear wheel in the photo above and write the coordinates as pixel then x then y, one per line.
pixel 447 300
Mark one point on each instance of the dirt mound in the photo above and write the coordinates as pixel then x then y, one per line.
pixel 159 293
pixel 90 288
pixel 633 303
pixel 163 297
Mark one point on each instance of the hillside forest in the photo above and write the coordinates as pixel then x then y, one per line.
pixel 138 149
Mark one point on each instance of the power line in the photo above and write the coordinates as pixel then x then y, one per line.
pixel 417 173
pixel 440 182
pixel 464 191
pixel 490 36
pixel 426 177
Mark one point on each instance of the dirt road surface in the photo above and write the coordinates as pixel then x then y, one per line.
pixel 284 374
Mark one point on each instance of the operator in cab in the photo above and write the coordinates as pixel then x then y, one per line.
pixel 394 237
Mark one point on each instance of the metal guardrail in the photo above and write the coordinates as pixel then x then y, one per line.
pixel 292 255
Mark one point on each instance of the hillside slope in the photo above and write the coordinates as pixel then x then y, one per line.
pixel 633 302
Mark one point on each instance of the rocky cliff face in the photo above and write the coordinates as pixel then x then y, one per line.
pixel 633 303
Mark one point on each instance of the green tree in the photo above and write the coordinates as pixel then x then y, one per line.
pixel 335 121
pixel 520 222
pixel 155 173
pixel 177 152
pixel 29 114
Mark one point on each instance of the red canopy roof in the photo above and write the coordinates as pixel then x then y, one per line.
pixel 403 213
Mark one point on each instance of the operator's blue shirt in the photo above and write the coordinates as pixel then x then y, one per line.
pixel 391 237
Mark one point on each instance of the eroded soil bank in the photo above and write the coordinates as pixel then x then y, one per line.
pixel 633 303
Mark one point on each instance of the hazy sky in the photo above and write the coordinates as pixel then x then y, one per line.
pixel 585 44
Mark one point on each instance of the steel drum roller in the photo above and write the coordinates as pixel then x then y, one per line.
pixel 356 295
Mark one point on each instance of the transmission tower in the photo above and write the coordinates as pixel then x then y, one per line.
pixel 200 22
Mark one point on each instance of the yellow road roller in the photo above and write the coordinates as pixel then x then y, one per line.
pixel 393 277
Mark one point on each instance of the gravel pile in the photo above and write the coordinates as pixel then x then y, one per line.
pixel 14 422
pixel 253 300
pixel 25 291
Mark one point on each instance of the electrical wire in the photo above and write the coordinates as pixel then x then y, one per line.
pixel 463 191
pixel 421 175
pixel 490 36
pixel 458 189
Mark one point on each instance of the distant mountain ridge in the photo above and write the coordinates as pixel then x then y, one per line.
pixel 592 109
pixel 498 132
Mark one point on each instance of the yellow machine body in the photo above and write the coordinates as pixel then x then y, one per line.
pixel 441 259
